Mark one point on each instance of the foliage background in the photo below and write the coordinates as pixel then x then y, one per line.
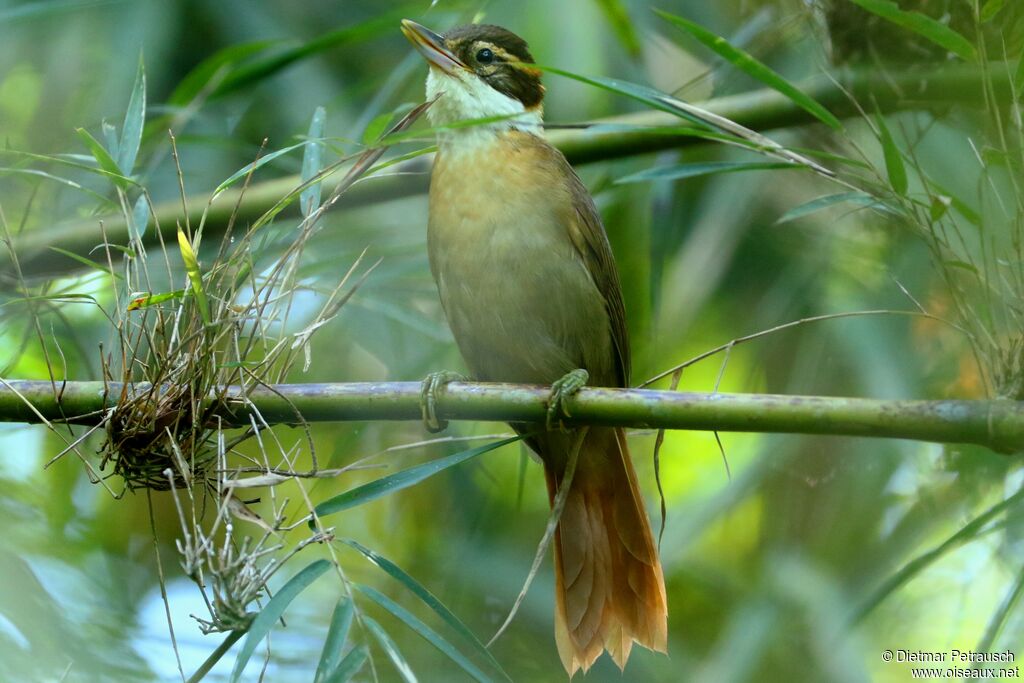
pixel 763 570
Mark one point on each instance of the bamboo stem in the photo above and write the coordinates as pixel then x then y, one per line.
pixel 996 424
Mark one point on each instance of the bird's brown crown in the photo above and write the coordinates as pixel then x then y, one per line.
pixel 498 56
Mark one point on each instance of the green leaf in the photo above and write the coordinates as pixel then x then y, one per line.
pixel 615 13
pixel 922 25
pixel 154 299
pixel 754 68
pixel 273 610
pixel 966 534
pixel 680 171
pixel 990 9
pixel 950 199
pixel 312 163
pixel 43 9
pixel 134 121
pixel 259 163
pixel 939 207
pixel 195 277
pixel 80 162
pixel 140 217
pixel 962 265
pixel 816 205
pixel 103 158
pixel 217 64
pixel 87 262
pixel 330 656
pixel 57 179
pixel 650 96
pixel 894 167
pixel 1018 78
pixel 404 670
pixel 424 631
pixel 1001 615
pixel 68 298
pixel 110 137
pixel 259 70
pixel 377 127
pixel 429 599
pixel 349 666
pixel 402 480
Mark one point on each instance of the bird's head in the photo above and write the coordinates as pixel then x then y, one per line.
pixel 479 71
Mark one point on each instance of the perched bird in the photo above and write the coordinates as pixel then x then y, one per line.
pixel 530 289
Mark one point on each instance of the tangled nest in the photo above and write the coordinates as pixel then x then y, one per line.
pixel 157 431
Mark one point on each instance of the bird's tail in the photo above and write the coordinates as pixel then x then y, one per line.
pixel 609 588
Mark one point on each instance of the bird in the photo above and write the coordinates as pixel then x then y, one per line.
pixel 530 289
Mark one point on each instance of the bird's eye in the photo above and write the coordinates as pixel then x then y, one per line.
pixel 485 56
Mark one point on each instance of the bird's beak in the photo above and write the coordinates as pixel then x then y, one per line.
pixel 432 47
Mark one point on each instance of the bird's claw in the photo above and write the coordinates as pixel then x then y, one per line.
pixel 562 390
pixel 432 384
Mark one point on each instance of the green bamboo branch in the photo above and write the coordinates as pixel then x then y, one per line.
pixel 760 110
pixel 996 424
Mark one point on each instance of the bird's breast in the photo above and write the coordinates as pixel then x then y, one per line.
pixel 519 299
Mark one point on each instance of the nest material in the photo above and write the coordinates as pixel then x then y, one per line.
pixel 158 430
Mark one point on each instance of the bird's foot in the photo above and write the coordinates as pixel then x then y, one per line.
pixel 432 384
pixel 562 390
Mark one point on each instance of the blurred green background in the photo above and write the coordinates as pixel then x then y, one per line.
pixel 763 570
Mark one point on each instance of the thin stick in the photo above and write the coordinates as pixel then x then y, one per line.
pixel 163 583
pixel 796 323
pixel 556 513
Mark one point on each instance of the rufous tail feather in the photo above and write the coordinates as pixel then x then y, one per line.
pixel 609 588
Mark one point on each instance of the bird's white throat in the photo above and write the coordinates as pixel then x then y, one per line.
pixel 463 96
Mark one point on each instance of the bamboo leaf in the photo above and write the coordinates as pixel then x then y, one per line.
pixel 924 26
pixel 81 162
pixel 251 168
pixel 950 199
pixel 376 128
pixel 134 121
pixel 404 670
pixel 86 262
pixel 140 217
pixel 218 63
pixel 939 208
pixel 962 265
pixel 273 610
pixel 261 69
pixel 330 656
pixel 312 163
pixel 680 171
pixel 195 277
pixel 402 480
pixel 964 535
pixel 754 68
pixel 1018 78
pixel 425 632
pixel 894 167
pixel 990 9
pixel 110 137
pixel 350 665
pixel 816 205
pixel 429 599
pixel 103 158
pixel 57 179
pixel 154 299
pixel 618 17
pixel 1001 615
pixel 650 96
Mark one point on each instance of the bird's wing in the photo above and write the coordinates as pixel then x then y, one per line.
pixel 588 235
